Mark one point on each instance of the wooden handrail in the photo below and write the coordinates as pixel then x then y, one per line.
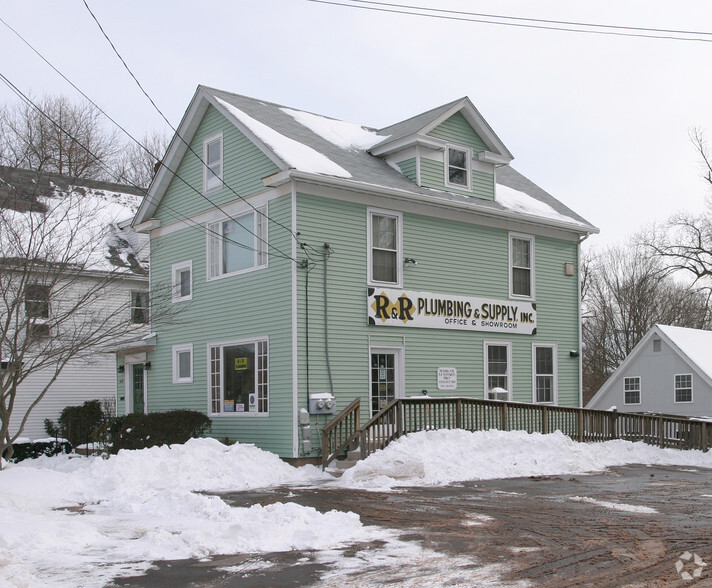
pixel 337 435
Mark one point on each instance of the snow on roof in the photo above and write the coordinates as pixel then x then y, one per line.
pixel 518 201
pixel 343 134
pixel 695 343
pixel 293 153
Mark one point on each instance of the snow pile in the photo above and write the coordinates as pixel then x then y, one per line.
pixel 293 153
pixel 521 202
pixel 345 135
pixel 78 521
pixel 443 457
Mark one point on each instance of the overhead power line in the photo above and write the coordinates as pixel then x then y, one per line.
pixel 522 22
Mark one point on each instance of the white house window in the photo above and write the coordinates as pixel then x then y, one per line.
pixel 385 247
pixel 683 388
pixel 213 158
pixel 545 373
pixel 497 371
pixel 521 262
pixel 237 244
pixel 657 345
pixel 139 307
pixel 182 364
pixel 631 390
pixel 182 281
pixel 239 377
pixel 458 167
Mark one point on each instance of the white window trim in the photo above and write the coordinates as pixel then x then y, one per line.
pixel 485 366
pixel 399 253
pixel 532 265
pixel 216 184
pixel 468 167
pixel 640 391
pixel 692 389
pixel 246 414
pixel 176 269
pixel 132 306
pixel 555 366
pixel 260 240
pixel 177 349
pixel 399 353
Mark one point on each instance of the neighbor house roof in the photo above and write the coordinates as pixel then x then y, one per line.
pixel 305 145
pixel 691 345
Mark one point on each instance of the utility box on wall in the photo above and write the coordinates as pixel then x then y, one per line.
pixel 323 403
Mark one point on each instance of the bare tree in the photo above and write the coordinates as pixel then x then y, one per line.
pixel 627 292
pixel 57 291
pixel 78 145
pixel 137 163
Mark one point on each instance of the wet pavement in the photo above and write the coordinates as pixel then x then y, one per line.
pixel 637 526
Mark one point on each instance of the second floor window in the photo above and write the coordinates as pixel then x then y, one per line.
pixel 237 244
pixel 385 248
pixel 521 264
pixel 139 307
pixel 37 301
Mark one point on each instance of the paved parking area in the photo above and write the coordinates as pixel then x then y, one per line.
pixel 633 526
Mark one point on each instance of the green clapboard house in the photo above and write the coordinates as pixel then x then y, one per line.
pixel 306 257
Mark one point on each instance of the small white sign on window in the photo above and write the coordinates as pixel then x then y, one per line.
pixel 447 378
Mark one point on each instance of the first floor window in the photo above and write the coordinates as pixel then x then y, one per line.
pixel 497 371
pixel 521 262
pixel 631 390
pixel 545 373
pixel 239 377
pixel 384 247
pixel 683 388
pixel 139 307
pixel 237 244
pixel 182 364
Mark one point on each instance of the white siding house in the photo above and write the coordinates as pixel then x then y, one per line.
pixel 668 372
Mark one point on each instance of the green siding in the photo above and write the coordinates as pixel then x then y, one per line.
pixel 244 166
pixel 253 304
pixel 432 175
pixel 456 129
pixel 409 169
pixel 473 263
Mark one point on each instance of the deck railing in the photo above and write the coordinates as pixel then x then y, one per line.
pixel 340 433
pixel 409 415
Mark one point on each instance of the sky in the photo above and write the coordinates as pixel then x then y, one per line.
pixel 601 122
pixel 71 521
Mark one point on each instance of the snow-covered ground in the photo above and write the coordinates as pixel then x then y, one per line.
pixel 70 521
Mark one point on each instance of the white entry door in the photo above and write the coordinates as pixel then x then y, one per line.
pixel 387 377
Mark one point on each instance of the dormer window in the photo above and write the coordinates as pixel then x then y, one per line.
pixel 457 173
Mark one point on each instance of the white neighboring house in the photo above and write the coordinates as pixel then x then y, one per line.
pixel 122 253
pixel 668 372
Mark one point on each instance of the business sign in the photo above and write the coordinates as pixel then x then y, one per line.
pixel 447 378
pixel 402 308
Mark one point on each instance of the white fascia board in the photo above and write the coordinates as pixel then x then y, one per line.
pixel 147 226
pixel 405 142
pixel 330 181
pixel 277 179
pixel 495 158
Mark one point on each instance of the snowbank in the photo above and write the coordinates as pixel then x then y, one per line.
pixel 443 457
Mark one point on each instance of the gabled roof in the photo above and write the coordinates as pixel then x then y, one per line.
pixel 691 345
pixel 312 147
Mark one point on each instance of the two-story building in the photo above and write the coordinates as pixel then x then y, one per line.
pixel 312 256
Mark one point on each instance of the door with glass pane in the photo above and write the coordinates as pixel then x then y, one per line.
pixel 137 388
pixel 386 377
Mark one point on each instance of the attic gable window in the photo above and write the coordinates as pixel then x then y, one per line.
pixel 457 172
pixel 213 158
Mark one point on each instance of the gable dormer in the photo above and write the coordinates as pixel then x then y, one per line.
pixel 450 148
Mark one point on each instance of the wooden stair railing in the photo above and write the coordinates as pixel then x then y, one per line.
pixel 340 433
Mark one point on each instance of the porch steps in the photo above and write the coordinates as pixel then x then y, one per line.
pixel 339 466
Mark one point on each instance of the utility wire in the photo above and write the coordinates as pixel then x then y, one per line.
pixel 163 116
pixel 142 146
pixel 529 23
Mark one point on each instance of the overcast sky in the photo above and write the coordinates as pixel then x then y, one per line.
pixel 601 122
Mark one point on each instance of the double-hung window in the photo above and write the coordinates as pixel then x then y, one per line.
pixel 139 307
pixel 37 309
pixel 237 244
pixel 683 387
pixel 239 377
pixel 631 390
pixel 182 281
pixel 457 169
pixel 213 162
pixel 385 245
pixel 498 371
pixel 544 373
pixel 183 364
pixel 521 266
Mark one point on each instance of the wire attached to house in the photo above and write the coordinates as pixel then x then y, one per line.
pixel 327 254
